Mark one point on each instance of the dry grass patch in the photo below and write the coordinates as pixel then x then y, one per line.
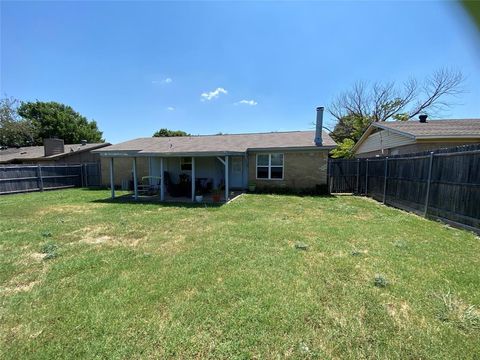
pixel 37 256
pixel 69 209
pixel 399 312
pixel 174 244
pixel 456 311
pixel 14 289
pixel 97 235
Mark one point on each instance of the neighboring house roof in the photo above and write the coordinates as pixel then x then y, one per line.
pixel 435 128
pixel 432 129
pixel 218 144
pixel 37 153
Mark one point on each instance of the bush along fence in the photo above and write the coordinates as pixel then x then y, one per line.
pixel 443 184
pixel 25 178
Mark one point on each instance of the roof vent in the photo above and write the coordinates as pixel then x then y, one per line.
pixel 83 142
pixel 423 118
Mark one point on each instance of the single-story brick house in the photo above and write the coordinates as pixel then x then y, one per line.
pixel 295 160
pixel 404 137
pixel 53 151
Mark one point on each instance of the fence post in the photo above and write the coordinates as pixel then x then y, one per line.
pixel 82 176
pixel 366 177
pixel 86 174
pixel 330 175
pixel 40 179
pixel 358 176
pixel 427 196
pixel 385 180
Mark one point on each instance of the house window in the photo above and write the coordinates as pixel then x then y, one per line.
pixel 186 164
pixel 270 166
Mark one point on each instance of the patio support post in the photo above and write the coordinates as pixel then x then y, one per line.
pixel 150 181
pixel 226 178
pixel 162 181
pixel 193 179
pixel 112 182
pixel 135 185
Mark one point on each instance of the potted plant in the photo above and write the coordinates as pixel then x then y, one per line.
pixel 198 196
pixel 216 195
pixel 252 186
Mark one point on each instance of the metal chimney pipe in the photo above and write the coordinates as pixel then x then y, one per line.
pixel 319 126
pixel 423 118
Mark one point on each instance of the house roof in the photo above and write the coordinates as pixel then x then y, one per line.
pixel 432 129
pixel 37 153
pixel 217 144
pixel 435 128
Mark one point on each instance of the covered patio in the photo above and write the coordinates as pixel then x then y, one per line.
pixel 202 179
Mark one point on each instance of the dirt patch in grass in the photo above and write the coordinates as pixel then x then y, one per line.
pixel 363 216
pixel 14 289
pixel 31 258
pixel 94 240
pixel 175 244
pixel 96 236
pixel 399 312
pixel 68 209
pixel 37 256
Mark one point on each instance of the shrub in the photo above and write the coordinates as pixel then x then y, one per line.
pixel 50 251
pixel 380 281
pixel 301 246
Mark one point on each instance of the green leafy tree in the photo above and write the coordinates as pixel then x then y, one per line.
pixel 344 149
pixel 350 127
pixel 52 119
pixel 14 131
pixel 169 133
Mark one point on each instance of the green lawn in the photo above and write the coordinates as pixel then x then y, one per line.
pixel 82 277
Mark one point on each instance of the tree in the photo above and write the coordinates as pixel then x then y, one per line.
pixel 169 133
pixel 364 103
pixel 14 131
pixel 52 119
pixel 344 149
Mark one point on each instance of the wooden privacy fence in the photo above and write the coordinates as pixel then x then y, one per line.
pixel 24 178
pixel 443 184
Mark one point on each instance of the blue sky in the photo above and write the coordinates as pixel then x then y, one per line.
pixel 137 67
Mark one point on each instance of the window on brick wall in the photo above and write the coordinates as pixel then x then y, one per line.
pixel 270 166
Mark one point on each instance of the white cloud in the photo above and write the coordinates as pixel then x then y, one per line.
pixel 246 102
pixel 167 80
pixel 207 96
pixel 170 108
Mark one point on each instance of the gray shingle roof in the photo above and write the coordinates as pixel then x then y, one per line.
pixel 38 152
pixel 435 128
pixel 220 143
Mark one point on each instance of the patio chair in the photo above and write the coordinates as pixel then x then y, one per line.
pixel 175 190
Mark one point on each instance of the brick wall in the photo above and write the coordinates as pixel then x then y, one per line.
pixel 302 170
